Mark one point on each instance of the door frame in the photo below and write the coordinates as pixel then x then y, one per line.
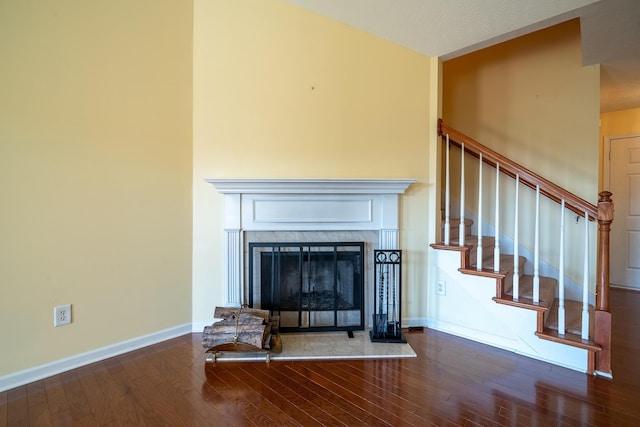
pixel 606 181
pixel 607 154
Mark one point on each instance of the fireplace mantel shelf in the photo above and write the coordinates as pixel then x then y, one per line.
pixel 310 186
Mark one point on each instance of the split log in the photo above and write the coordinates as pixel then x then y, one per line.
pixel 232 312
pixel 243 319
pixel 220 333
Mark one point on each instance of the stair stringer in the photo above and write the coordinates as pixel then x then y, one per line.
pixel 468 311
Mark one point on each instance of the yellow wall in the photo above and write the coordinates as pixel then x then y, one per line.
pixel 618 123
pixel 531 100
pixel 282 92
pixel 95 173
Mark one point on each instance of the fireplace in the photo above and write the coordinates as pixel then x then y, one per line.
pixel 307 210
pixel 311 286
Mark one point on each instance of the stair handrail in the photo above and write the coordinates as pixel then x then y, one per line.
pixel 527 177
pixel 603 213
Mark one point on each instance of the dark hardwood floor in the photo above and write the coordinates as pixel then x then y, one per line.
pixel 452 382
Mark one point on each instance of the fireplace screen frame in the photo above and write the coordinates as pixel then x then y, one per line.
pixel 343 315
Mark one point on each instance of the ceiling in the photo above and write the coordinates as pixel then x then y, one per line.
pixel 450 28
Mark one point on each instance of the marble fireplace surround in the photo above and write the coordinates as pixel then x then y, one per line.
pixel 338 207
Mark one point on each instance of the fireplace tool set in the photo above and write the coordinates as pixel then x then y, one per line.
pixel 387 325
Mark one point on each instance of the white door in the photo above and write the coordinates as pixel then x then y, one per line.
pixel 624 182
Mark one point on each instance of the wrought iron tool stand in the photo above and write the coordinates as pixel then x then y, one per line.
pixel 387 301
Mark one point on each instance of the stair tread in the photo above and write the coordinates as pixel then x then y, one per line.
pixel 454 227
pixel 471 240
pixel 523 303
pixel 506 263
pixel 573 317
pixel 548 286
pixel 456 221
pixel 487 242
pixel 571 339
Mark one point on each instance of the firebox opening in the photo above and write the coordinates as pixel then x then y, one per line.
pixel 311 286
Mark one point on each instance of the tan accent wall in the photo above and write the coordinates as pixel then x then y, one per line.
pixel 95 174
pixel 620 123
pixel 617 123
pixel 531 100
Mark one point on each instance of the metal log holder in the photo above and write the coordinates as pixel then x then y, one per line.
pixel 237 346
pixel 387 301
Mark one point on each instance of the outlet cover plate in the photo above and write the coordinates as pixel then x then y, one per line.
pixel 61 315
pixel 442 288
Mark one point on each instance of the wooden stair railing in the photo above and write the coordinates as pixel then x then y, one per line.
pixel 603 213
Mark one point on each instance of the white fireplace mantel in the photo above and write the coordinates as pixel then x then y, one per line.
pixel 304 205
pixel 311 186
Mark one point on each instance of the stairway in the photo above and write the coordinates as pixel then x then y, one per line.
pixel 547 307
pixel 482 305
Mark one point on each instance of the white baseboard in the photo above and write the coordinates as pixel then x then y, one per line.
pixel 414 321
pixel 503 343
pixel 53 368
pixel 198 327
pixel 608 375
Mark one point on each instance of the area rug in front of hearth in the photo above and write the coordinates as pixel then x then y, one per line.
pixel 329 346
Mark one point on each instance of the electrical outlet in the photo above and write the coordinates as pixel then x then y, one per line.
pixel 61 315
pixel 442 288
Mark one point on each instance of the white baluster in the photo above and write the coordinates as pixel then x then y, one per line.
pixel 561 314
pixel 479 250
pixel 516 243
pixel 585 280
pixel 536 250
pixel 447 194
pixel 496 248
pixel 461 227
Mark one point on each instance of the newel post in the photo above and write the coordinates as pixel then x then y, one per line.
pixel 603 315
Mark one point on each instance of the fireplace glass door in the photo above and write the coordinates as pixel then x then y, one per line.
pixel 311 286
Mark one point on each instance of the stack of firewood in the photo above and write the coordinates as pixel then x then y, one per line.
pixel 243 325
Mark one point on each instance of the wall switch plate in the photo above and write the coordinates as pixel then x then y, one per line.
pixel 442 288
pixel 61 315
